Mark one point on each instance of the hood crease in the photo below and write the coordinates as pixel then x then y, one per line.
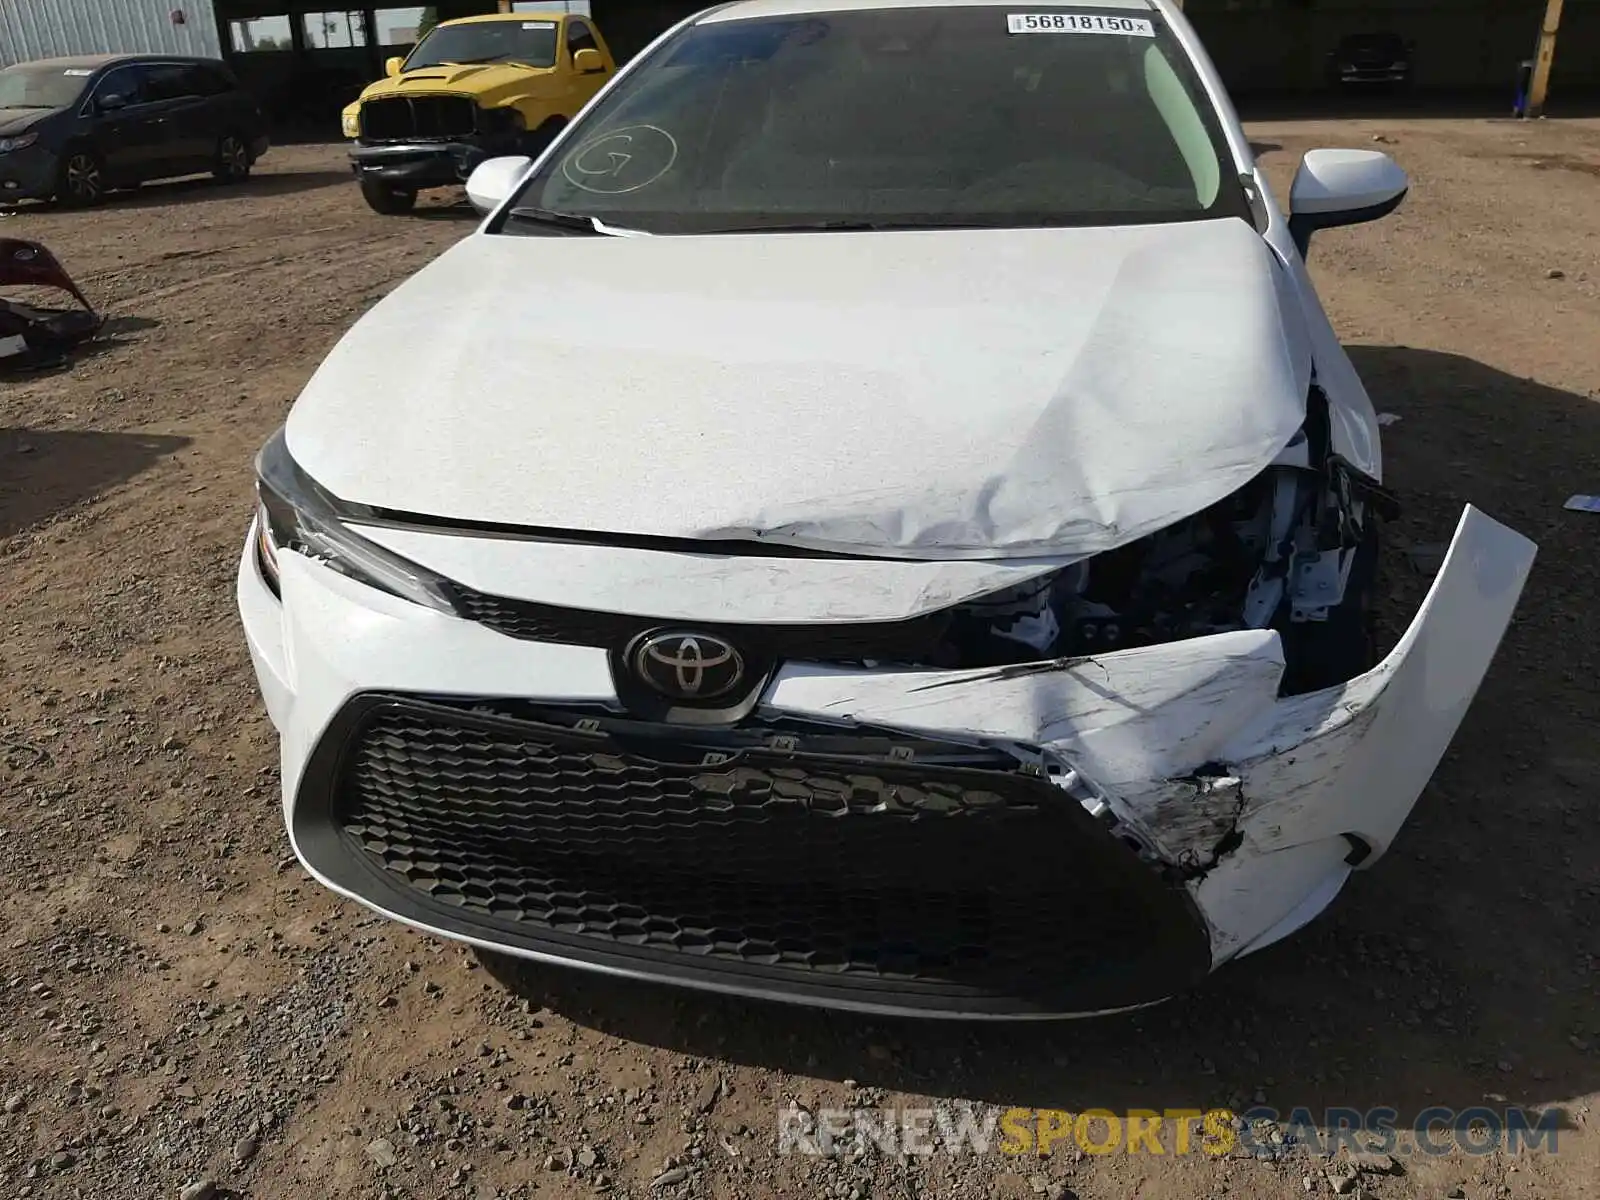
pixel 973 394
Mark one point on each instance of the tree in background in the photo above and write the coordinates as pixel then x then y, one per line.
pixel 428 19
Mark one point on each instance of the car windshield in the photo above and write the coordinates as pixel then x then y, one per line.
pixel 1386 43
pixel 532 43
pixel 898 118
pixel 29 85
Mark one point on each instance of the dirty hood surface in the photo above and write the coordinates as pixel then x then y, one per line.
pixel 14 121
pixel 950 394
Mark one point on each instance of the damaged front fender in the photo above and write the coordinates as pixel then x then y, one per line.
pixel 1260 803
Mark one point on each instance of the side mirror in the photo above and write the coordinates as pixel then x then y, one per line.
pixel 111 102
pixel 391 66
pixel 1342 187
pixel 493 180
pixel 588 61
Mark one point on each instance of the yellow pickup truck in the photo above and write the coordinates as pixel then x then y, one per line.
pixel 469 90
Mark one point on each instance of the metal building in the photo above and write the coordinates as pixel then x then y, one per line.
pixel 1462 46
pixel 47 28
pixel 305 59
pixel 1267 46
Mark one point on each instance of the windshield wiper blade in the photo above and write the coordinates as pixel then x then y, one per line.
pixel 850 225
pixel 840 225
pixel 571 222
pixel 561 220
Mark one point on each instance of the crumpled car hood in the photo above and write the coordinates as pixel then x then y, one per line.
pixel 951 394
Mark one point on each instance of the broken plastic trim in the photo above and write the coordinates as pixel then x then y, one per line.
pixel 30 264
pixel 1210 780
pixel 1294 550
pixel 32 337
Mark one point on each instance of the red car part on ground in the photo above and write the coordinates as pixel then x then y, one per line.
pixel 32 337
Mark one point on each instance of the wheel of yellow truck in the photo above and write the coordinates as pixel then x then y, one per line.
pixel 387 198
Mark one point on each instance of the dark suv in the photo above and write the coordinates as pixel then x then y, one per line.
pixel 74 128
pixel 1371 59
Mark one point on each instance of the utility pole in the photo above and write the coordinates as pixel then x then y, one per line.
pixel 1540 83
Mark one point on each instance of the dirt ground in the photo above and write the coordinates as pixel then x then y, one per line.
pixel 180 1004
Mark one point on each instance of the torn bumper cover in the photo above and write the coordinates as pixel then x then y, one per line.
pixel 1263 803
pixel 1048 839
pixel 32 337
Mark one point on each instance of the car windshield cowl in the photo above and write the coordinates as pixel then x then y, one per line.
pixel 691 225
pixel 567 223
pixel 491 58
pixel 948 117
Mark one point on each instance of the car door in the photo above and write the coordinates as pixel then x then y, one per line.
pixel 125 133
pixel 581 36
pixel 176 103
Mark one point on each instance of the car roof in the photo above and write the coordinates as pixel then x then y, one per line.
pixel 75 61
pixel 745 9
pixel 481 18
pixel 93 62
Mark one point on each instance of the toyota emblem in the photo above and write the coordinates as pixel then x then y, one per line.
pixel 687 666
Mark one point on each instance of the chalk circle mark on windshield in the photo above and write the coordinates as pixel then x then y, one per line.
pixel 623 160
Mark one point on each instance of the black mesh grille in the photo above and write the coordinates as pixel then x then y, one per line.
pixel 865 870
pixel 812 642
pixel 428 118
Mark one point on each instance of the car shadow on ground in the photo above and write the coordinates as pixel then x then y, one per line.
pixel 112 335
pixel 1460 971
pixel 116 327
pixel 44 472
pixel 202 189
pixel 450 209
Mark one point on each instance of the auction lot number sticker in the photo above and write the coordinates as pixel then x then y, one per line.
pixel 1078 23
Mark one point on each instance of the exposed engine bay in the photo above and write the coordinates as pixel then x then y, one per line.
pixel 1294 550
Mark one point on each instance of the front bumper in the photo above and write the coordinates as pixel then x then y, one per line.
pixel 28 174
pixel 424 164
pixel 887 853
pixel 1373 75
pixel 821 868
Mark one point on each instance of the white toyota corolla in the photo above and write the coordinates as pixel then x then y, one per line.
pixel 876 516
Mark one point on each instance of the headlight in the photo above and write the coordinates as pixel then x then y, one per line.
pixel 295 514
pixel 20 142
pixel 352 123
